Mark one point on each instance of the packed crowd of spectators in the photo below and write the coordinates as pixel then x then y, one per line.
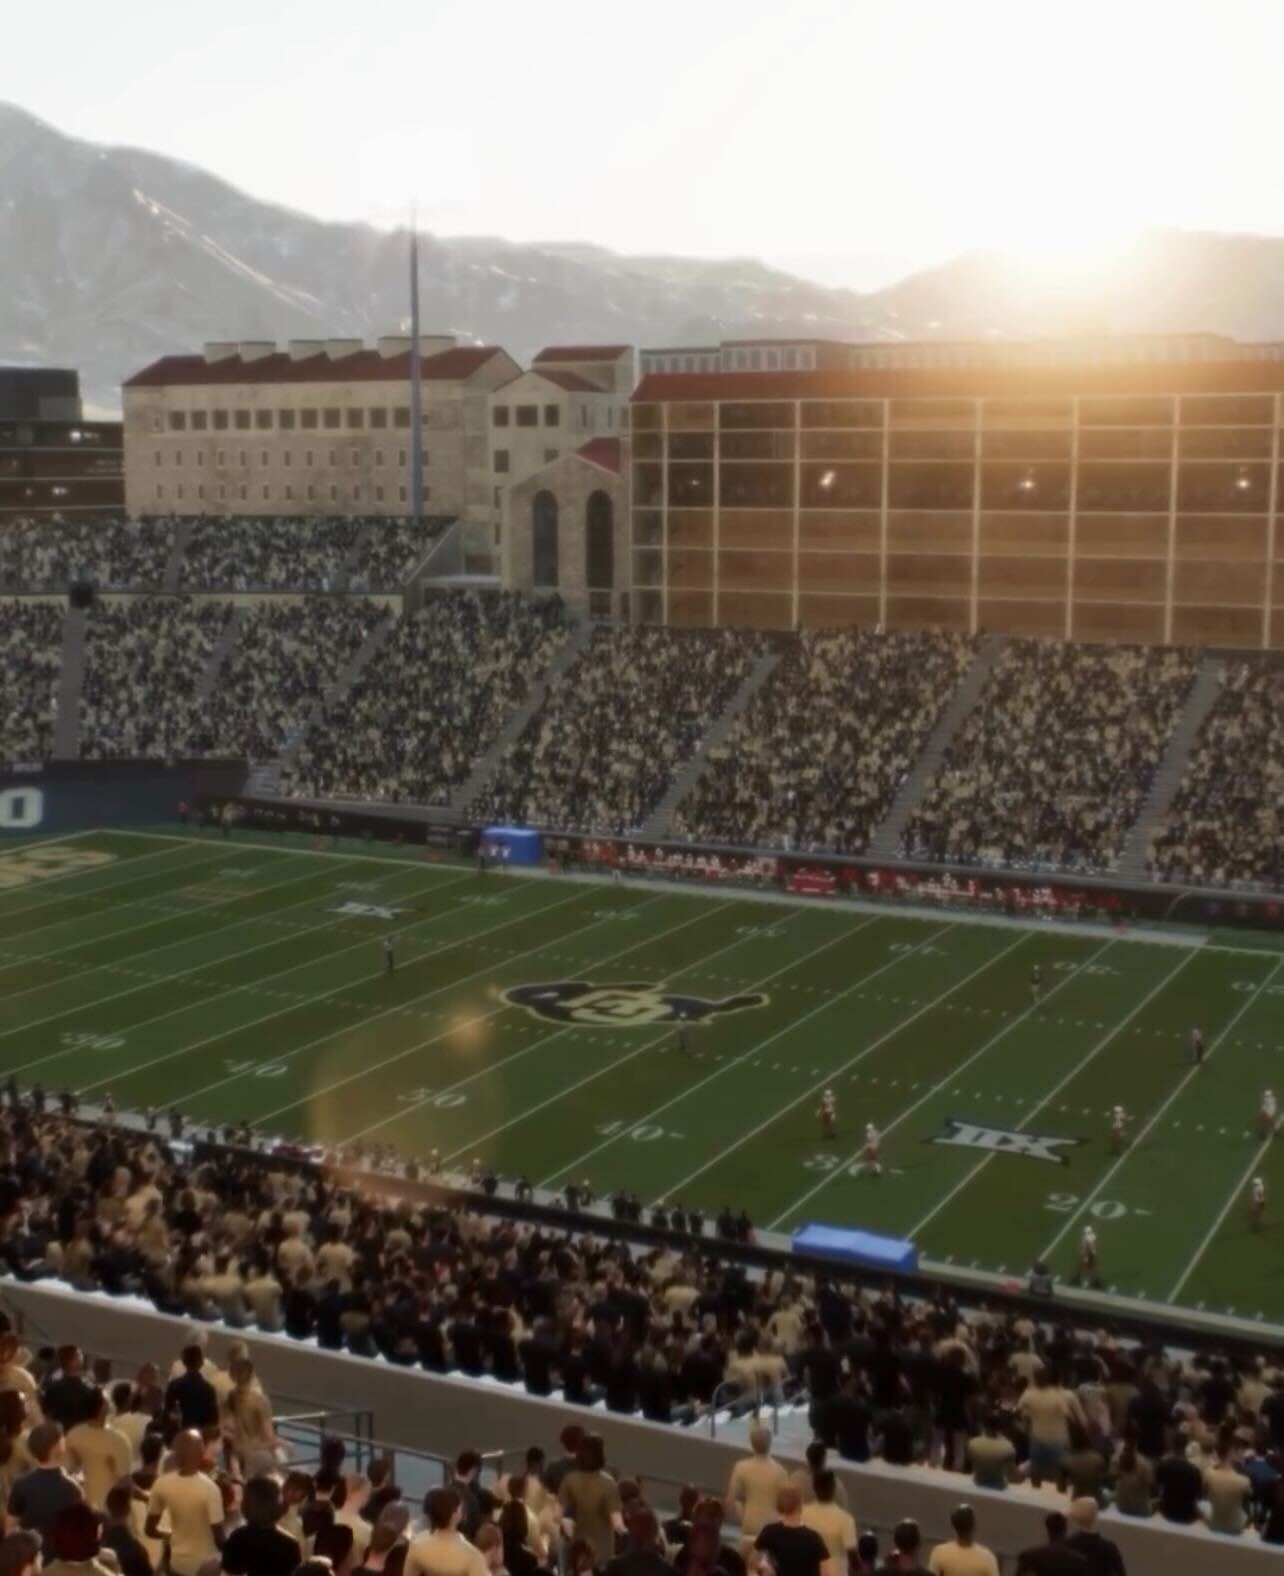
pixel 817 758
pixel 39 555
pixel 250 554
pixel 1226 824
pixel 144 659
pixel 285 656
pixel 426 708
pixel 1019 1403
pixel 1050 769
pixel 615 727
pixel 390 551
pixel 30 667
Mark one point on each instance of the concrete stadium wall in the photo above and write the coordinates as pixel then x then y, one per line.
pixel 443 1414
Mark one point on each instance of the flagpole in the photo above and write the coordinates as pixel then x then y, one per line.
pixel 416 508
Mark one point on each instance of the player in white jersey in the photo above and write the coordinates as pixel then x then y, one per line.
pixel 1036 985
pixel 1268 1118
pixel 870 1151
pixel 827 1114
pixel 1196 1044
pixel 1118 1129
pixel 1256 1204
pixel 1089 1262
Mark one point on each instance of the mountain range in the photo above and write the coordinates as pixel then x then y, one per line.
pixel 110 257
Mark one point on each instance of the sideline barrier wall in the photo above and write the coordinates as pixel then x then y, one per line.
pixel 74 796
pixel 444 1414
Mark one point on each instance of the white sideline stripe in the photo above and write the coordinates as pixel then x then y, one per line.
pixel 944 1083
pixel 760 1045
pixel 188 1006
pixel 1250 1171
pixel 1029 1112
pixel 1191 1072
pixel 418 1105
pixel 461 1023
pixel 166 919
pixel 311 1001
pixel 124 868
pixel 854 1061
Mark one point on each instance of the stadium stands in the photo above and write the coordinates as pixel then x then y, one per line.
pixel 1050 769
pixel 389 551
pixel 1225 826
pixel 284 657
pixel 815 761
pixel 449 676
pixel 144 659
pixel 30 661
pixel 615 727
pixel 115 555
pixel 236 554
pixel 927 1390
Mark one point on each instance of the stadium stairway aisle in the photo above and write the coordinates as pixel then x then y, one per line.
pixel 657 823
pixel 578 637
pixel 1167 779
pixel 66 740
pixel 177 551
pixel 222 650
pixel 337 692
pixel 886 842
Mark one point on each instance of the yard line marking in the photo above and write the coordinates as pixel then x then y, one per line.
pixel 361 1023
pixel 151 983
pixel 939 1087
pixel 90 968
pixel 609 1067
pixel 811 1093
pixel 255 985
pixel 125 868
pixel 1157 1116
pixel 1029 1112
pixel 755 1050
pixel 463 1023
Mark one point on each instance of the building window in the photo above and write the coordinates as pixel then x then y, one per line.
pixel 263 456
pixel 220 421
pixel 199 419
pixel 157 424
pixel 241 420
pixel 289 494
pixel 158 458
pixel 401 456
pixel 334 457
pixel 244 492
pixel 378 494
pixel 544 533
pixel 356 419
pixel 307 458
pixel 263 420
pixel 402 494
pixel 178 421
pixel 333 416
pixel 584 416
pixel 499 415
pixel 267 493
pixel 285 420
pixel 245 459
pixel 221 458
pixel 528 415
pixel 379 459
pixel 178 457
pixel 552 416
pixel 179 491
pixel 312 492
pixel 200 457
pixel 308 420
pixel 401 416
pixel 356 456
pixel 160 491
pixel 200 492
pixel 498 497
pixel 356 495
pixel 334 494
pixel 222 493
pixel 379 417
pixel 285 459
pixel 550 455
pixel 501 461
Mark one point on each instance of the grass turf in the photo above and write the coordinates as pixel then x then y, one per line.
pixel 222 976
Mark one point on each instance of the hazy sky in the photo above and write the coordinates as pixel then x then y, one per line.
pixel 850 139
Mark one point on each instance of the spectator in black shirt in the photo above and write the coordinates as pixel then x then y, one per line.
pixel 1149 1413
pixel 118 1533
pixel 677 1530
pixel 260 1547
pixel 794 1550
pixel 570 1439
pixel 845 1421
pixel 642 1556
pixel 191 1397
pixel 38 1496
pixel 1180 1482
pixel 904 1560
pixel 68 1397
pixel 1052 1558
pixel 1102 1555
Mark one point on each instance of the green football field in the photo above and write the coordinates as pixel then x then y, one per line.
pixel 245 979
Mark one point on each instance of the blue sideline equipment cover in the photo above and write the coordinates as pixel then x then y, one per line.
pixel 513 845
pixel 856 1247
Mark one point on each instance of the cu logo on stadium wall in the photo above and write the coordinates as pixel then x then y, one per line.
pixel 1005 1141
pixel 620 1006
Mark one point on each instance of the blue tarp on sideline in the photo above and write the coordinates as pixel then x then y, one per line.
pixel 856 1247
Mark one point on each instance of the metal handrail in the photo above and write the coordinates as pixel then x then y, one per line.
pixel 735 1385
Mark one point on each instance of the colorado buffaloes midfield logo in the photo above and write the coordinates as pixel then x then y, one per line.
pixel 617 1006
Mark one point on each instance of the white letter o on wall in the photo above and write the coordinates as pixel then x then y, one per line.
pixel 21 808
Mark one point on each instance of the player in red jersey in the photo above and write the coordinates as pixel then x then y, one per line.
pixel 827 1114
